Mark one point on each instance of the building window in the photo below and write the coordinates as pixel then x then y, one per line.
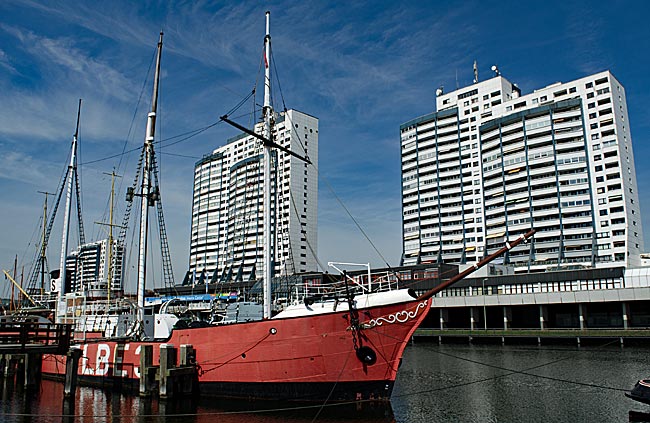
pixel 589 85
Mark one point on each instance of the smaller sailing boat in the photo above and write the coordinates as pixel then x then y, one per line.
pixel 334 342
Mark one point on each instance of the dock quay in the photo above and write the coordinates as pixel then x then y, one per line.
pixel 527 336
pixel 23 343
pixel 25 340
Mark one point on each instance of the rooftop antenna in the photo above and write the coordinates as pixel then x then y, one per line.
pixel 495 69
pixel 457 86
pixel 475 72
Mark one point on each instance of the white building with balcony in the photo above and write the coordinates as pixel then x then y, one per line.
pixel 492 163
pixel 227 220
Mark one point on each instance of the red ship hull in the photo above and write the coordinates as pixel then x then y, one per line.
pixel 310 358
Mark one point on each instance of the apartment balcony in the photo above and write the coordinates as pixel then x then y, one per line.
pixel 544 231
pixel 568 125
pixel 492 171
pixel 581 255
pixel 574 244
pixel 410 155
pixel 542 175
pixel 567 114
pixel 490 147
pixel 512 187
pixel 548 193
pixel 410 149
pixel 539 142
pixel 512 141
pixel 568 144
pixel 493 179
pixel 447 155
pixel 535 132
pixel 454 226
pixel 452 222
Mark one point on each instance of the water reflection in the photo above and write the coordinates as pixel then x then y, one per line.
pixel 474 383
pixel 95 405
pixel 436 384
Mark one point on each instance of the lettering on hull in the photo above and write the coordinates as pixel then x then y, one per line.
pixel 97 360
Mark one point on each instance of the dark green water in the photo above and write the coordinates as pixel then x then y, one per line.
pixel 448 383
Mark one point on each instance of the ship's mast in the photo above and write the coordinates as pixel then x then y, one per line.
pixel 267 111
pixel 109 247
pixel 110 241
pixel 72 168
pixel 44 243
pixel 146 194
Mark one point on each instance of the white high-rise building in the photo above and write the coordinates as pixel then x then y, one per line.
pixel 88 268
pixel 227 211
pixel 491 164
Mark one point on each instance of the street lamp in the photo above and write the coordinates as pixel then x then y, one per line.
pixel 484 310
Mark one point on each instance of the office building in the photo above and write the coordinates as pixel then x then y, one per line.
pixel 492 163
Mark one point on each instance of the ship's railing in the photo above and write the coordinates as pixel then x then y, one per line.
pixel 96 315
pixel 47 299
pixel 352 285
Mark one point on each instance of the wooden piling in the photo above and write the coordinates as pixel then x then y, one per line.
pixel 32 369
pixel 167 363
pixel 146 363
pixel 71 366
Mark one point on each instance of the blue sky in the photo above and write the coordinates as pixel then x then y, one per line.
pixel 362 68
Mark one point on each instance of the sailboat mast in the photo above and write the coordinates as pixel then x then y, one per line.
pixel 109 279
pixel 72 167
pixel 267 111
pixel 44 242
pixel 146 185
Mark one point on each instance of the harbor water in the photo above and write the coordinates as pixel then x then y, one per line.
pixel 436 383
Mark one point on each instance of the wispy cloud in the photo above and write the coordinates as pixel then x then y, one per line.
pixel 64 63
pixel 6 63
pixel 19 167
